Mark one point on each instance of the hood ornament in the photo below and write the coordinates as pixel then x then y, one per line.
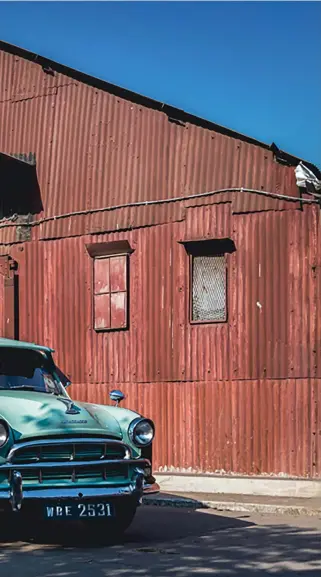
pixel 72 409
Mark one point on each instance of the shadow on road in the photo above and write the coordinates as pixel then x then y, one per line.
pixel 151 525
pixel 167 542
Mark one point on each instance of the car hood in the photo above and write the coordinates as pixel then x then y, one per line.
pixel 30 414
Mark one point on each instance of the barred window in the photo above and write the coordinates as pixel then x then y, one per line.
pixel 208 289
pixel 208 278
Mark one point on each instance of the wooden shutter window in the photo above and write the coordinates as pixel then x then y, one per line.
pixel 111 292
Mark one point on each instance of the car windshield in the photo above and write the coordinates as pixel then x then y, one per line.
pixel 26 369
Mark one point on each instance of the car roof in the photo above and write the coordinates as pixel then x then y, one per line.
pixel 23 345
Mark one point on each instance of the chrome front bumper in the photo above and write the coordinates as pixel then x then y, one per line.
pixel 16 493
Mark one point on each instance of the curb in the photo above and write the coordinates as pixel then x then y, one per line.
pixel 234 506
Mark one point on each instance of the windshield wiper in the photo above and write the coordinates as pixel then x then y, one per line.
pixel 31 388
pixel 22 387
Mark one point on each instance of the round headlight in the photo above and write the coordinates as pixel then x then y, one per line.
pixel 141 432
pixel 3 434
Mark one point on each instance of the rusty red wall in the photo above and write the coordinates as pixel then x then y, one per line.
pixel 95 150
pixel 242 396
pixel 273 327
pixel 247 427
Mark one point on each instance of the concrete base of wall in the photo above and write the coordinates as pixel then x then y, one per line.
pixel 265 486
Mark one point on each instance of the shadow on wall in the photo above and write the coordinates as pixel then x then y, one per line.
pixel 165 542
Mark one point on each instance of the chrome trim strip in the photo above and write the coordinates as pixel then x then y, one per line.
pixel 131 489
pixel 72 464
pixel 67 441
pixel 74 492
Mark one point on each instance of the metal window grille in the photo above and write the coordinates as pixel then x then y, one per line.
pixel 209 289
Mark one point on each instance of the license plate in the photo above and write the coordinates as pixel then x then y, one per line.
pixel 76 510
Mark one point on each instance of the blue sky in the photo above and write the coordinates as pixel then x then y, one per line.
pixel 251 66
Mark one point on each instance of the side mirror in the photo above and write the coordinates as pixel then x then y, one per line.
pixel 116 396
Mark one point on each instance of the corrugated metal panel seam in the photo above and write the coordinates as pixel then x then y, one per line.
pixel 219 197
pixel 196 197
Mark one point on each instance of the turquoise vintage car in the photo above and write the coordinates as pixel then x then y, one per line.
pixel 61 459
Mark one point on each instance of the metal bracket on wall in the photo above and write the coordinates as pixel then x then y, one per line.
pixel 23 232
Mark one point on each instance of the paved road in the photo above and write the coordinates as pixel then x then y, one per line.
pixel 168 542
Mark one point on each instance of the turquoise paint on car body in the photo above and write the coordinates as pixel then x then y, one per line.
pixel 36 417
pixel 11 343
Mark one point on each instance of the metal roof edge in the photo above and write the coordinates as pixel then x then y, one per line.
pixel 172 112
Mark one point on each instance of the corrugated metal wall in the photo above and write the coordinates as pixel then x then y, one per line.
pixel 94 149
pixel 273 329
pixel 246 427
pixel 242 396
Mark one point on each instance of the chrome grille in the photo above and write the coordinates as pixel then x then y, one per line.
pixel 69 461
pixel 75 475
pixel 64 451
